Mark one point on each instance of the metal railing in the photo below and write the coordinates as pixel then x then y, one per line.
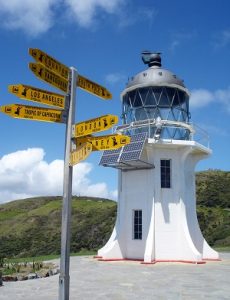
pixel 156 128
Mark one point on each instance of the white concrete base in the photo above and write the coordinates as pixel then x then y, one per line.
pixel 170 227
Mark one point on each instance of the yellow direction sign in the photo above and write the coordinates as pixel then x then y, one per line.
pixel 94 125
pixel 34 113
pixel 42 73
pixel 80 154
pixel 93 88
pixel 49 62
pixel 37 95
pixel 58 68
pixel 106 142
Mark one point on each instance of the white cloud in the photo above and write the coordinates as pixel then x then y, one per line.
pixel 132 15
pixel 33 17
pixel 114 78
pixel 37 17
pixel 179 38
pixel 202 97
pixel 224 97
pixel 86 11
pixel 174 44
pixel 26 174
pixel 222 39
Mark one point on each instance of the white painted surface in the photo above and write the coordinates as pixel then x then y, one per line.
pixel 170 227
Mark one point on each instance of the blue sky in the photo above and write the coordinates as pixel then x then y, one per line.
pixel 103 40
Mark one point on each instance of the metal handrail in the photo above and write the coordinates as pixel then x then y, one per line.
pixel 196 133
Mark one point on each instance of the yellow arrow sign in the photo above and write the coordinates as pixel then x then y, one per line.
pixel 49 62
pixel 58 68
pixel 48 76
pixel 94 125
pixel 34 113
pixel 93 88
pixel 106 142
pixel 80 154
pixel 37 95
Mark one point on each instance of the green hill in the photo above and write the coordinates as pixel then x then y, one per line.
pixel 213 206
pixel 213 188
pixel 32 227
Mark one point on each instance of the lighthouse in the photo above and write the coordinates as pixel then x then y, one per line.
pixel 156 208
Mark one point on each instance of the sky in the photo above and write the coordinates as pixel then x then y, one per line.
pixel 103 40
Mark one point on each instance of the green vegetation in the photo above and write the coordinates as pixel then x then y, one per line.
pixel 32 227
pixel 213 206
pixel 213 188
pixel 222 249
pixel 215 225
pixel 12 270
pixel 31 259
pixel 9 268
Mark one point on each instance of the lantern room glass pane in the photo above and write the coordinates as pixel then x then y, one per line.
pixel 164 100
pixel 151 102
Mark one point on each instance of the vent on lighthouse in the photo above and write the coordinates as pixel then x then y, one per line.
pixel 152 59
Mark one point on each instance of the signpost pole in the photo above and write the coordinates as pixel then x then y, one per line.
pixel 67 194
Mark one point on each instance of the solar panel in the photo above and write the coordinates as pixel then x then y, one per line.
pixel 133 146
pixel 131 152
pixel 138 137
pixel 110 152
pixel 108 159
pixel 128 156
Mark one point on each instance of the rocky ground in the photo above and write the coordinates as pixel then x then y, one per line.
pixel 26 271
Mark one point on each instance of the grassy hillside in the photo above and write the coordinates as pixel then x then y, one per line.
pixel 215 225
pixel 32 227
pixel 213 188
pixel 213 205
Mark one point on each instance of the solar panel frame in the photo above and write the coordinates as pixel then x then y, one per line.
pixel 120 158
pixel 109 159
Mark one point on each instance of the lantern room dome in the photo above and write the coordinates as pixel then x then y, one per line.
pixel 155 76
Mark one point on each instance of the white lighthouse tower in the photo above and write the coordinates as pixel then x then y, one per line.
pixel 156 214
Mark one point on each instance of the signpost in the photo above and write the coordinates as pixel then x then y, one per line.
pixel 93 88
pixel 67 193
pixel 48 76
pixel 105 142
pixel 49 62
pixel 94 125
pixel 61 70
pixel 30 93
pixel 81 153
pixel 66 79
pixel 34 113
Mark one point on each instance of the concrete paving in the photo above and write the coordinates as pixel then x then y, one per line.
pixel 92 279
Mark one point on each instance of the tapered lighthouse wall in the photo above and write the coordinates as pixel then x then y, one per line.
pixel 190 206
pixel 170 230
pixel 135 190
